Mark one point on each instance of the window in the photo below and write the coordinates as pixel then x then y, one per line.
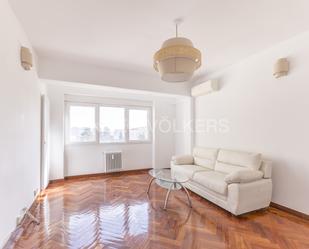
pixel 82 124
pixel 112 124
pixel 138 125
pixel 96 123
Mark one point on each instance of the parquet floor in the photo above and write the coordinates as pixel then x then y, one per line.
pixel 115 212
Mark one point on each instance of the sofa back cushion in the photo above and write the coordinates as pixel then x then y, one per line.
pixel 229 161
pixel 205 157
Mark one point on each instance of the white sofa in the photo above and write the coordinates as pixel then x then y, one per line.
pixel 239 182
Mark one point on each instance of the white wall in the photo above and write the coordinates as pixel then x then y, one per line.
pixel 19 126
pixel 164 136
pixel 56 132
pixel 64 69
pixel 87 159
pixel 183 127
pixel 266 115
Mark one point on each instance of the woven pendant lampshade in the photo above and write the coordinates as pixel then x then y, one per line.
pixel 177 59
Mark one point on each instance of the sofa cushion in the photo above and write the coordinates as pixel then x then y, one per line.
pixel 205 157
pixel 212 180
pixel 243 176
pixel 187 170
pixel 229 161
pixel 184 159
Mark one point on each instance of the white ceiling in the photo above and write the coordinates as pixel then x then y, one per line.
pixel 124 34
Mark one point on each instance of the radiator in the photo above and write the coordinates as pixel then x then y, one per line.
pixel 112 161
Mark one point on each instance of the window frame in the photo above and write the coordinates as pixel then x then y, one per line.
pixel 97 106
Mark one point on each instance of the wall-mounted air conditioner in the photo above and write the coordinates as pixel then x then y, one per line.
pixel 205 88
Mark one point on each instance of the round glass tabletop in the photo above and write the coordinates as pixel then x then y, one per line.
pixel 165 175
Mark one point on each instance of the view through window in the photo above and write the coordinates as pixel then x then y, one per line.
pixel 82 124
pixel 138 125
pixel 112 124
pixel 94 123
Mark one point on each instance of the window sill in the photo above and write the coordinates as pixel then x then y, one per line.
pixel 111 143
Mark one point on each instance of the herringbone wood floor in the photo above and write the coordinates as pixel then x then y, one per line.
pixel 114 212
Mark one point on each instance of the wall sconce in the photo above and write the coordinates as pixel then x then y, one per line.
pixel 281 68
pixel 26 58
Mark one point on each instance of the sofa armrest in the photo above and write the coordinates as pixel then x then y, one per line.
pixel 183 159
pixel 243 176
pixel 246 197
pixel 266 168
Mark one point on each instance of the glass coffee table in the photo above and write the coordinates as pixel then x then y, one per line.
pixel 164 179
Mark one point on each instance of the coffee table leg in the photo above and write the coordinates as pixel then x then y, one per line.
pixel 187 193
pixel 167 195
pixel 149 185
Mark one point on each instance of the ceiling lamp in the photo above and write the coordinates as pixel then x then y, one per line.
pixel 177 59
